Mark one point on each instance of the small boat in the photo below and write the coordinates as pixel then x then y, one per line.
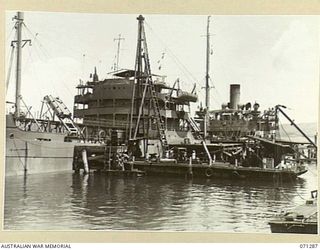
pixel 301 220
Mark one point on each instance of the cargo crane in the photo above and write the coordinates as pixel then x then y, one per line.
pixel 279 108
pixel 64 115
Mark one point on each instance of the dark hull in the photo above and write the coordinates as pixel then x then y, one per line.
pixel 216 171
pixel 293 227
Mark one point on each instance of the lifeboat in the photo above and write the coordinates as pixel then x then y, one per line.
pixel 184 96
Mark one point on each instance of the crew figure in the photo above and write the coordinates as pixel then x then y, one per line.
pixel 193 155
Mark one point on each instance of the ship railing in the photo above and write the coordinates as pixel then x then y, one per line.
pixel 29 113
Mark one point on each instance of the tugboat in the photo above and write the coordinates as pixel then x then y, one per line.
pixel 300 220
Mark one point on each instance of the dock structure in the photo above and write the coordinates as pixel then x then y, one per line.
pixel 103 158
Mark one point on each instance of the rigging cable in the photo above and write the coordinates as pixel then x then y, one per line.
pixel 17 150
pixel 285 131
pixel 10 68
pixel 8 37
pixel 292 181
pixel 294 150
pixel 219 96
pixel 7 42
pixel 47 57
pixel 184 69
pixel 174 57
pixel 41 47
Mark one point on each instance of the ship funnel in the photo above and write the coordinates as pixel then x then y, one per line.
pixel 234 96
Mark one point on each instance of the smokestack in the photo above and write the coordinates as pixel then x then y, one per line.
pixel 234 96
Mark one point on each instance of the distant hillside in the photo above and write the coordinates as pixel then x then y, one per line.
pixel 288 131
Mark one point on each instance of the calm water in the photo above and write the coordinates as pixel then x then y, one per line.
pixel 68 201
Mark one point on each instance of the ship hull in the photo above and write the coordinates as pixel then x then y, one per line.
pixel 36 152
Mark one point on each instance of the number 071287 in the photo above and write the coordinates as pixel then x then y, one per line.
pixel 310 245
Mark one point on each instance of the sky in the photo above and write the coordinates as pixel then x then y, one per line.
pixel 274 58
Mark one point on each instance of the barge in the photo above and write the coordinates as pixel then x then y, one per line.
pixel 217 170
pixel 300 220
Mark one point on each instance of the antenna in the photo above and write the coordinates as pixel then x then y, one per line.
pixel 119 39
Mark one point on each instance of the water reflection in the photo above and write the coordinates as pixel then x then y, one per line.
pixel 68 201
pixel 174 204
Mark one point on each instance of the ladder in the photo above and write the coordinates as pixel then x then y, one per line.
pixel 160 121
pixel 63 114
pixel 193 124
pixel 145 73
pixel 156 108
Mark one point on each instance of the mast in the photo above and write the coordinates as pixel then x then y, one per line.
pixel 118 50
pixel 207 87
pixel 137 76
pixel 18 27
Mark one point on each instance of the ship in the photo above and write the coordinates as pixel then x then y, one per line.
pixel 104 112
pixel 300 220
pixel 235 121
pixel 132 112
pixel 140 110
pixel 128 110
pixel 43 144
